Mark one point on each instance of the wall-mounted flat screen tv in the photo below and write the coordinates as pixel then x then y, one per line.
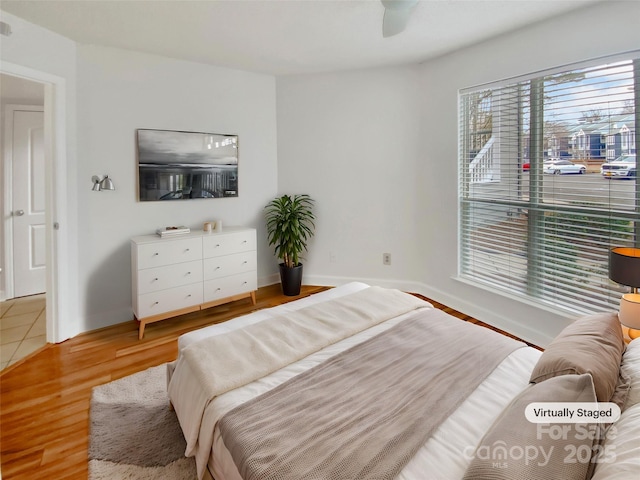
pixel 175 165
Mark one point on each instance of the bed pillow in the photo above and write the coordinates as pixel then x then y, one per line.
pixel 592 344
pixel 501 453
pixel 620 455
pixel 630 368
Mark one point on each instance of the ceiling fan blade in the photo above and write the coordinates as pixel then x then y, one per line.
pixel 396 16
pixel 394 22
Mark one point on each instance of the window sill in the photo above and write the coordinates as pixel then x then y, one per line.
pixel 554 309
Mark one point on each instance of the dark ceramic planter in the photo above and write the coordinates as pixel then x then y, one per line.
pixel 291 279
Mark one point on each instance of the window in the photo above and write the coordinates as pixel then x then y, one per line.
pixel 537 213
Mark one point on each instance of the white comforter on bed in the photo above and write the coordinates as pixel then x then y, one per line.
pixel 445 456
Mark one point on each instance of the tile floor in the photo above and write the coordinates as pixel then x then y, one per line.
pixel 22 328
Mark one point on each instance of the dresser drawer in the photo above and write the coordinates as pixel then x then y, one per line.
pixel 161 278
pixel 226 265
pixel 219 288
pixel 162 301
pixel 169 252
pixel 228 243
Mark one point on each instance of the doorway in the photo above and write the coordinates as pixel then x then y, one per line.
pixel 23 239
pixel 61 225
pixel 61 228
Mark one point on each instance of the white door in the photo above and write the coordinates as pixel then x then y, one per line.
pixel 28 203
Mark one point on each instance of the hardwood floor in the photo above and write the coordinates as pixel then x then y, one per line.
pixel 45 398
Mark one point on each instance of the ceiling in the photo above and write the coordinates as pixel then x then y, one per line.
pixel 282 37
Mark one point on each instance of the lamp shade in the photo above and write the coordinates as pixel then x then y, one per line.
pixel 624 266
pixel 107 184
pixel 629 313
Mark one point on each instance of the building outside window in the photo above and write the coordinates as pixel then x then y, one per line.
pixel 624 138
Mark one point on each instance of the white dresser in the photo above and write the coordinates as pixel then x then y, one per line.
pixel 178 275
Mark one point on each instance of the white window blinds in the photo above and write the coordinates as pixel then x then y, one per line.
pixel 542 192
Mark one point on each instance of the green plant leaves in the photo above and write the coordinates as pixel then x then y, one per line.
pixel 290 224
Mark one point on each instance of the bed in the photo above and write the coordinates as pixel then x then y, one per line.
pixel 251 394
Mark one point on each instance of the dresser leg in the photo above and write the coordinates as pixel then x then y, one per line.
pixel 253 297
pixel 141 330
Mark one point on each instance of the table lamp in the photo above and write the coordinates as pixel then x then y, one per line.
pixel 624 268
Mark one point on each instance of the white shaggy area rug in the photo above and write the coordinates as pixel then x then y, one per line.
pixel 134 435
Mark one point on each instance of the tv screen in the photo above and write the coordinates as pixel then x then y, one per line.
pixel 175 165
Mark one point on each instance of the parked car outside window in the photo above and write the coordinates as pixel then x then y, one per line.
pixel 622 167
pixel 527 166
pixel 559 167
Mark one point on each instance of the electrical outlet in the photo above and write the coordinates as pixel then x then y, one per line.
pixel 386 259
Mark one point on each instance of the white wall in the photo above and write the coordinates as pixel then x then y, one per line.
pixel 120 91
pixel 351 141
pixel 345 138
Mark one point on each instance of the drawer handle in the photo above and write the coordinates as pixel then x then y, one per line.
pixel 155 279
pixel 156 254
pixel 218 289
pixel 188 273
pixel 217 268
pixel 188 295
pixel 244 241
pixel 244 283
pixel 187 249
pixel 217 245
pixel 245 262
pixel 156 303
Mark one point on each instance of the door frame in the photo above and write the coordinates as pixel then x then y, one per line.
pixel 57 215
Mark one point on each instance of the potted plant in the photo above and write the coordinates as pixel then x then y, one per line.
pixel 289 227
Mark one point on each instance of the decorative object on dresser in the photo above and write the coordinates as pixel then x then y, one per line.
pixel 193 271
pixel 289 227
pixel 172 231
pixel 214 226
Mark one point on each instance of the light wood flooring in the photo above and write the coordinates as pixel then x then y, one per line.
pixel 44 399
